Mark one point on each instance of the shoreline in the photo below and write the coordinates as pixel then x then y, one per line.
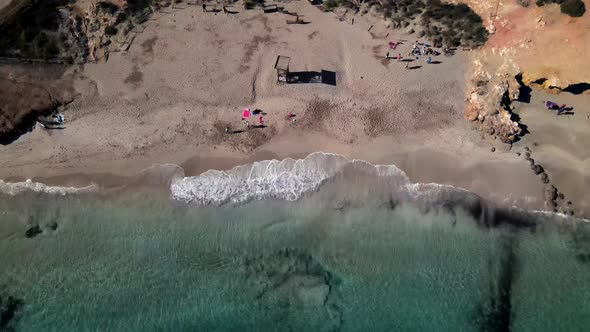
pixel 517 188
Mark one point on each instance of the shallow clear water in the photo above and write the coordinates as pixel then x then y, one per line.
pixel 334 260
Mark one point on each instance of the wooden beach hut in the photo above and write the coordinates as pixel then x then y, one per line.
pixel 282 68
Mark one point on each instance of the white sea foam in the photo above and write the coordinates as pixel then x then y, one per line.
pixel 286 179
pixel 14 188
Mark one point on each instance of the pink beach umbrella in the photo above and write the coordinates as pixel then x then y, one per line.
pixel 246 113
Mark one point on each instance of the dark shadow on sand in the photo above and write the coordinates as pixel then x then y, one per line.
pixel 524 92
pixel 566 113
pixel 325 77
pixel 577 89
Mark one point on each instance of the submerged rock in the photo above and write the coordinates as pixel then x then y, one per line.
pixel 537 169
pixel 33 231
pixel 291 280
pixel 9 307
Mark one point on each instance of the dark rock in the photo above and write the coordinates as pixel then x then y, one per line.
pixel 543 176
pixel 342 205
pixel 531 161
pixel 537 169
pixel 568 202
pixel 561 196
pixel 33 231
pixel 526 148
pixel 518 154
pixel 9 307
pixel 493 149
pixel 545 181
pixel 52 225
pixel 528 154
pixel 550 193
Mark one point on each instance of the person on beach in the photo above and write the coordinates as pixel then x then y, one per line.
pixel 429 60
pixel 260 121
pixel 551 105
pixel 399 57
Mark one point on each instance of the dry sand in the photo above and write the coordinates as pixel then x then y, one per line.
pixel 189 74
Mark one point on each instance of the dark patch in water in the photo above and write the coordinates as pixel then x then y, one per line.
pixel 496 315
pixel 52 225
pixel 9 307
pixel 291 281
pixel 33 231
pixel 580 243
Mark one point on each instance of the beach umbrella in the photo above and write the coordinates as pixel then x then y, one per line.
pixel 246 113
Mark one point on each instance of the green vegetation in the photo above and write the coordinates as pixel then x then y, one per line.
pixel 138 5
pixel 573 8
pixel 523 3
pixel 443 23
pixel 331 4
pixel 35 33
pixel 110 30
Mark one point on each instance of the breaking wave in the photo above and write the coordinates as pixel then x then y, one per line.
pixel 14 188
pixel 290 179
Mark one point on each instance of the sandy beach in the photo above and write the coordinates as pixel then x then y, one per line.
pixel 190 74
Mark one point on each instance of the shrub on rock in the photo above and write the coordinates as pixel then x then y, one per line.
pixel 573 8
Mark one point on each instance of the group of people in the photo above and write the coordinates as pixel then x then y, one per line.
pixel 419 49
pixel 247 114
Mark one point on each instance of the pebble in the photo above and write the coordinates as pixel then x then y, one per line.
pixel 528 154
pixel 518 154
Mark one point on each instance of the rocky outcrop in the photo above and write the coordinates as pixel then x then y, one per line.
pixel 489 99
pixel 21 104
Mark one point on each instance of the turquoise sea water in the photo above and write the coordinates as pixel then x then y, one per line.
pixel 335 260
